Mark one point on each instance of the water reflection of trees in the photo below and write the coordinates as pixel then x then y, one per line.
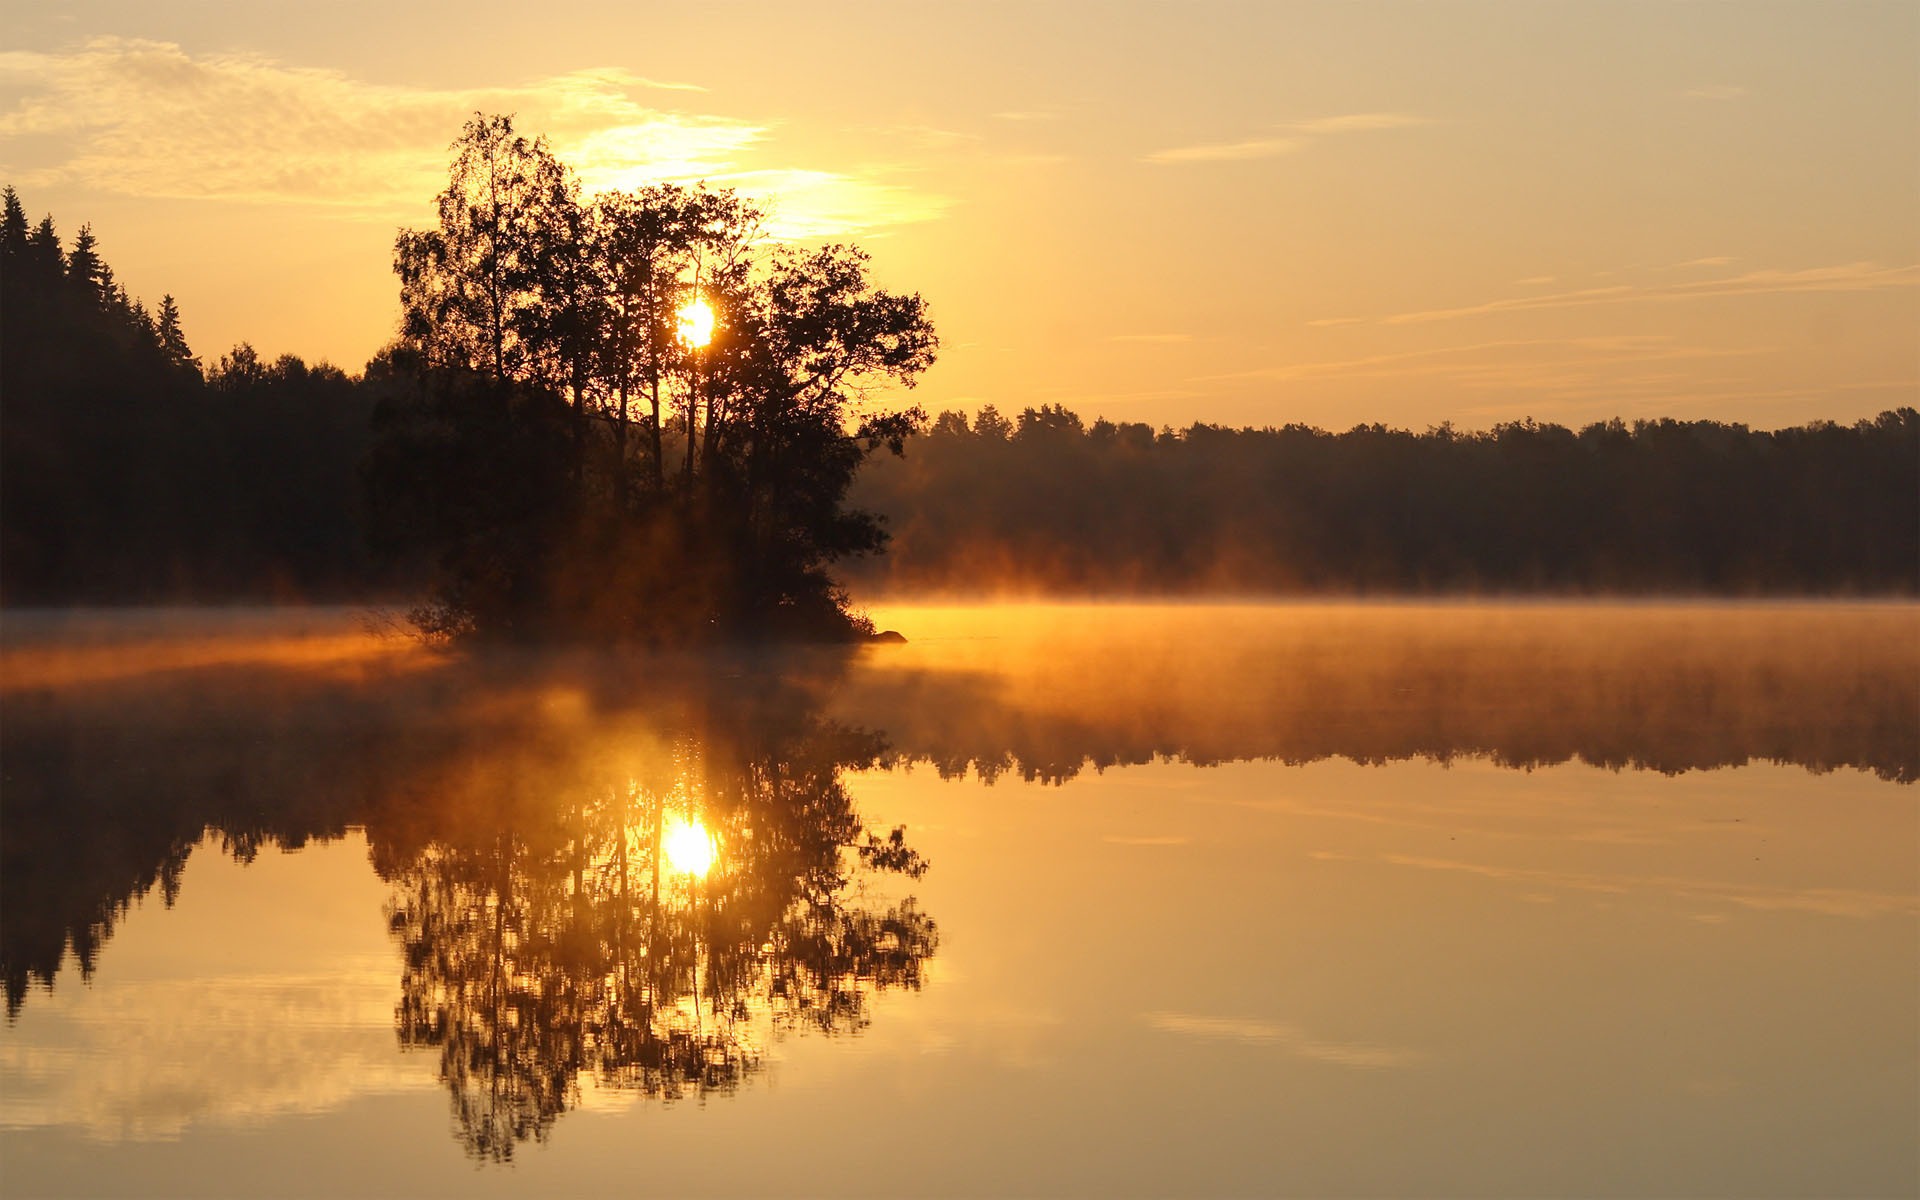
pixel 1667 688
pixel 547 936
pixel 111 782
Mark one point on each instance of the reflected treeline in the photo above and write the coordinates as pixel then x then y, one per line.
pixel 525 812
pixel 109 788
pixel 555 928
pixel 1664 687
pixel 521 804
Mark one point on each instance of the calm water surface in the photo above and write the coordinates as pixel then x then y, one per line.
pixel 1097 899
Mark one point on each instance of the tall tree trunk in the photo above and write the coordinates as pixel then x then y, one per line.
pixel 620 428
pixel 693 400
pixel 659 453
pixel 706 436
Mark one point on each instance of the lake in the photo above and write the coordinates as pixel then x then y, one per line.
pixel 1062 899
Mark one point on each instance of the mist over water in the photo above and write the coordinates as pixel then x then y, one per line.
pixel 1050 687
pixel 1671 687
pixel 1595 871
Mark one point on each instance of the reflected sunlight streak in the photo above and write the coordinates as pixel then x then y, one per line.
pixel 690 849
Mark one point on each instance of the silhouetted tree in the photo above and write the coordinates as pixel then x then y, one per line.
pixel 1048 503
pixel 564 463
pixel 13 225
pixel 173 342
pixel 662 245
pixel 528 315
pixel 125 476
pixel 86 273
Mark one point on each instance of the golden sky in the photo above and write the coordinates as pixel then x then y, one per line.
pixel 1253 213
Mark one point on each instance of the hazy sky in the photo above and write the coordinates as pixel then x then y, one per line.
pixel 1246 213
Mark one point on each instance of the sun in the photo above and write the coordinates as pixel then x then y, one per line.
pixel 696 323
pixel 690 848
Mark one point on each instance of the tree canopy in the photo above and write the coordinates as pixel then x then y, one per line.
pixel 1048 503
pixel 531 454
pixel 632 415
pixel 129 472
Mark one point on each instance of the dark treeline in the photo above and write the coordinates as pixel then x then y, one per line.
pixel 130 472
pixel 1047 502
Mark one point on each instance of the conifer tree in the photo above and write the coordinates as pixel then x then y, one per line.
pixel 44 260
pixel 173 342
pixel 13 226
pixel 89 275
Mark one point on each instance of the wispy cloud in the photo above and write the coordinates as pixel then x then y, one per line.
pixel 1841 277
pixel 655 147
pixel 1599 295
pixel 1845 277
pixel 148 118
pixel 1288 138
pixel 1085 400
pixel 1360 123
pixel 1152 339
pixel 1283 1036
pixel 927 137
pixel 666 85
pixel 1715 91
pixel 1507 363
pixel 1229 151
pixel 827 203
pixel 1664 394
pixel 1516 377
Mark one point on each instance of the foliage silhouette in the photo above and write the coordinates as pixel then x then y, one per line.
pixel 684 488
pixel 111 782
pixel 546 938
pixel 1050 504
pixel 526 446
pixel 125 474
pixel 538 938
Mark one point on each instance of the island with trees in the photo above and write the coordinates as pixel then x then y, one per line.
pixel 634 416
pixel 629 417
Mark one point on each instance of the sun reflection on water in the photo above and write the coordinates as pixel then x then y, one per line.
pixel 690 849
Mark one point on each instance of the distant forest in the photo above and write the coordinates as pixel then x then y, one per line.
pixel 1045 502
pixel 130 471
